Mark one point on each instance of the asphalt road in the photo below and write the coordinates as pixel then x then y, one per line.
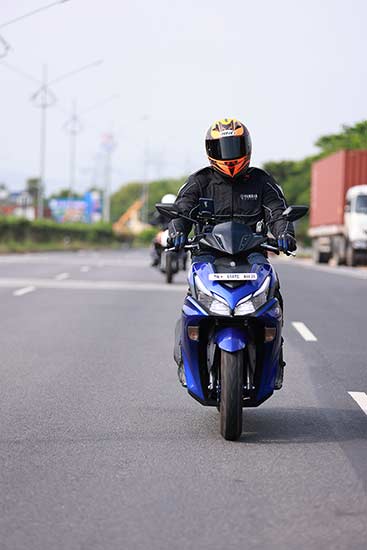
pixel 100 448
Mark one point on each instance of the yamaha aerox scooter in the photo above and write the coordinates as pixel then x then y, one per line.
pixel 230 341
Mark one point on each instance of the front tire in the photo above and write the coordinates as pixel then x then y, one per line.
pixel 231 367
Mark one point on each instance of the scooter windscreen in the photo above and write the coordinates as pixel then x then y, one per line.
pixel 232 238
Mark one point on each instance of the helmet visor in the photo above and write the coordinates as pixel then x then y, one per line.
pixel 227 148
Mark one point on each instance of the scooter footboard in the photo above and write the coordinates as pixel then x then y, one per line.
pixel 231 339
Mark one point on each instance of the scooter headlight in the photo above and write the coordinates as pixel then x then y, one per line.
pixel 254 301
pixel 213 303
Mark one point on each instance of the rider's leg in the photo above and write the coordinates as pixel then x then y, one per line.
pixel 155 253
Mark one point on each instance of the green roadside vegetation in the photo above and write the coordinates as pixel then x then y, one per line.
pixel 21 235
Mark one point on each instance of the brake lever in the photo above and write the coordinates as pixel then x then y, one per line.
pixel 186 247
pixel 271 248
pixel 277 251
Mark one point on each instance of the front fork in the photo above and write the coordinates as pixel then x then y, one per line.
pixel 230 340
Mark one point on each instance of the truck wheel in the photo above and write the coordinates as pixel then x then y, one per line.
pixel 231 383
pixel 338 258
pixel 351 256
pixel 318 256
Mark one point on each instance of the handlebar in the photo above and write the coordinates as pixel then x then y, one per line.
pixel 268 247
pixel 276 250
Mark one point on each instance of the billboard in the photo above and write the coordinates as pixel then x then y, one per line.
pixel 85 210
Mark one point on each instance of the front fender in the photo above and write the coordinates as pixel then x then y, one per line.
pixel 230 339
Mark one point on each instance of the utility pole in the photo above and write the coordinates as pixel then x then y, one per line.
pixel 109 145
pixel 5 47
pixel 73 127
pixel 145 193
pixel 43 99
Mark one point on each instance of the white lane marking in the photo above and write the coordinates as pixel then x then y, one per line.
pixel 91 285
pixel 25 290
pixel 85 268
pixel 360 397
pixel 304 331
pixel 62 276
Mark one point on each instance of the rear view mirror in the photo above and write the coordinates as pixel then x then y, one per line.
pixel 168 210
pixel 293 213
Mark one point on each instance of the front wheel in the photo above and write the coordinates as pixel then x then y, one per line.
pixel 231 383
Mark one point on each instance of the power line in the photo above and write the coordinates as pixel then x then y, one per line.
pixel 20 72
pixel 76 71
pixel 29 14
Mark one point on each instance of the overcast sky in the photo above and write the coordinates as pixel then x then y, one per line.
pixel 290 70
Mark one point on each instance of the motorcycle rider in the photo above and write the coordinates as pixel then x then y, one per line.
pixel 239 192
pixel 159 240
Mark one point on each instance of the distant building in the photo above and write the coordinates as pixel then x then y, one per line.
pixel 18 204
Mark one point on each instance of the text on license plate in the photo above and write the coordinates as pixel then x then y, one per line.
pixel 233 277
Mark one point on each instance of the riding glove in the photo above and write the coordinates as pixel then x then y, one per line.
pixel 287 243
pixel 177 238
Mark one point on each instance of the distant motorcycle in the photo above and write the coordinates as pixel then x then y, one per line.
pixel 169 262
pixel 230 332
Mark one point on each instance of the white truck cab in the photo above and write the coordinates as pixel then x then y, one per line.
pixel 355 217
pixel 347 243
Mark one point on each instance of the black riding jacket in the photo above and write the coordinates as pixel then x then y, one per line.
pixel 249 198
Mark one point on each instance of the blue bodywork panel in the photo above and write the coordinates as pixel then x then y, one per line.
pixel 230 338
pixel 229 333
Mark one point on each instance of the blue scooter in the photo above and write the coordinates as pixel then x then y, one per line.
pixel 229 346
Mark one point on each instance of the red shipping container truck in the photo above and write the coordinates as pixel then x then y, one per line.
pixel 338 217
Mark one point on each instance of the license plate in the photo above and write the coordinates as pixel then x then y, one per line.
pixel 233 277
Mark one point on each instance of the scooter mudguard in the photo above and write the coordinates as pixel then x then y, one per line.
pixel 230 339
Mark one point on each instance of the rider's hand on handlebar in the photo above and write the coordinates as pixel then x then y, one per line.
pixel 287 243
pixel 178 240
pixel 177 234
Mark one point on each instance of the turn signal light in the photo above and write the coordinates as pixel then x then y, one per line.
pixel 193 333
pixel 270 333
